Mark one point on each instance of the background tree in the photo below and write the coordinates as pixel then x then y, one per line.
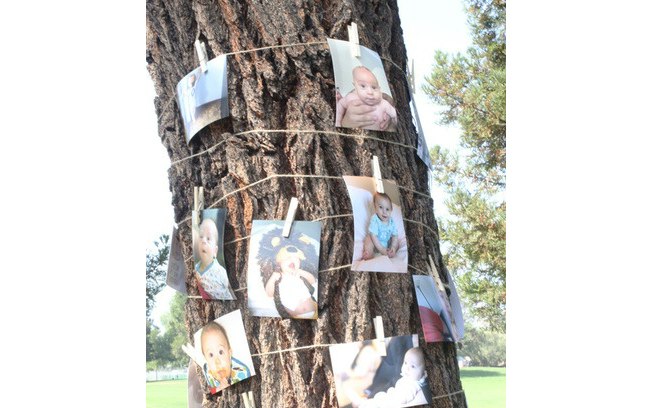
pixel 288 89
pixel 155 263
pixel 471 88
pixel 164 347
pixel 160 352
pixel 485 348
pixel 175 330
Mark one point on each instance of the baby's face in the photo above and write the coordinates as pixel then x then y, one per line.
pixel 290 265
pixel 207 242
pixel 217 354
pixel 413 365
pixel 383 208
pixel 366 86
pixel 289 260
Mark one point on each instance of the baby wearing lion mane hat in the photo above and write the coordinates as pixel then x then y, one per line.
pixel 284 278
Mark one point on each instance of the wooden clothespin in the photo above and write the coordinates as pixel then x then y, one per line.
pixel 377 176
pixel 354 40
pixel 245 400
pixel 380 335
pixel 248 399
pixel 435 274
pixel 431 262
pixel 441 288
pixel 198 205
pixel 202 55
pixel 410 76
pixel 199 198
pixel 294 203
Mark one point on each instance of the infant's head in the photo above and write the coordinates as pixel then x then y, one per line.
pixel 216 349
pixel 414 366
pixel 207 245
pixel 289 259
pixel 366 86
pixel 383 206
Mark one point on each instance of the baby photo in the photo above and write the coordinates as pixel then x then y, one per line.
pixel 208 255
pixel 435 317
pixel 195 395
pixel 364 100
pixel 222 351
pixel 379 242
pixel 422 147
pixel 203 96
pixel 457 317
pixel 365 379
pixel 282 272
pixel 445 293
pixel 176 273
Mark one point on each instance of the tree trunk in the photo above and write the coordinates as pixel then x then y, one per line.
pixel 293 88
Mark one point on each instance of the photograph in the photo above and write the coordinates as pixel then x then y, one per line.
pixel 366 379
pixel 364 100
pixel 435 318
pixel 208 254
pixel 379 244
pixel 282 273
pixel 457 317
pixel 176 272
pixel 444 291
pixel 202 97
pixel 222 351
pixel 195 395
pixel 422 147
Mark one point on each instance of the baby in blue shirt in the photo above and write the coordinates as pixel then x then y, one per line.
pixel 383 235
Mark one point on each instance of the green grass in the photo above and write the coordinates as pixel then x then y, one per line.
pixel 167 394
pixel 484 387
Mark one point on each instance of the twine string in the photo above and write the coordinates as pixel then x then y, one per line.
pixel 275 46
pixel 330 217
pixel 172 97
pixel 272 176
pixel 335 268
pixel 450 394
pixel 423 225
pixel 215 146
pixel 297 131
pixel 418 270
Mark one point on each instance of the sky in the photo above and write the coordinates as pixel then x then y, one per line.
pixel 427 26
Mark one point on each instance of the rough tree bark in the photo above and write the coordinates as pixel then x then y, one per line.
pixel 293 88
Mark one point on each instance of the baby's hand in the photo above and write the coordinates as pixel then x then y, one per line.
pixel 391 252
